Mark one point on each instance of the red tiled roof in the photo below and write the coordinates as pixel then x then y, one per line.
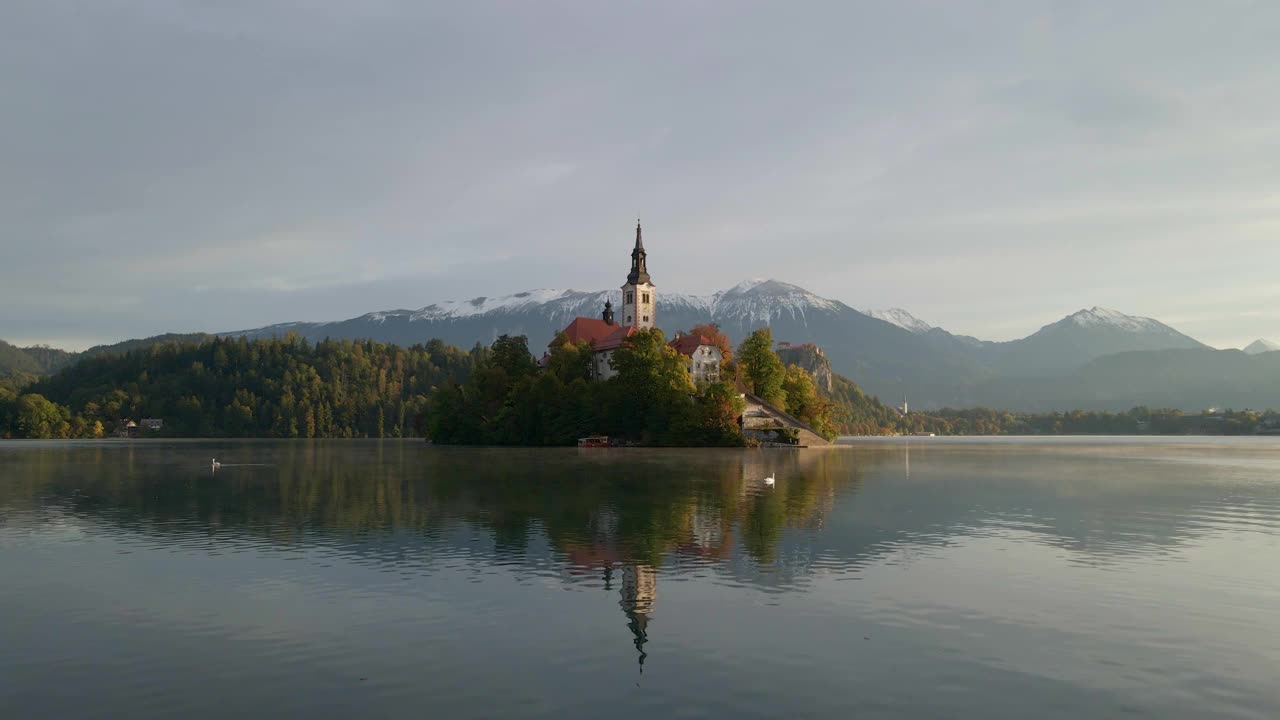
pixel 588 330
pixel 616 339
pixel 687 344
pixel 597 333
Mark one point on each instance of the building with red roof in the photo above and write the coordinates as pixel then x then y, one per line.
pixel 704 357
pixel 603 335
pixel 639 302
pixel 597 332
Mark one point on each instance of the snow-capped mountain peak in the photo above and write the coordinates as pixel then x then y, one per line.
pixel 1259 346
pixel 482 305
pixel 746 286
pixel 756 300
pixel 901 318
pixel 1100 317
pixel 761 301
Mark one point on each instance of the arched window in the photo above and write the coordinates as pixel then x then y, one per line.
pixel 631 297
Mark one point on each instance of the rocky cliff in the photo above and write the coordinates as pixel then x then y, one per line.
pixel 810 358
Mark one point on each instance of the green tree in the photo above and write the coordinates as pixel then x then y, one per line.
pixel 714 420
pixel 271 387
pixel 763 371
pixel 804 402
pixel 569 361
pixel 654 390
pixel 37 417
pixel 511 354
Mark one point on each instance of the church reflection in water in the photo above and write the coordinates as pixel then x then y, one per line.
pixel 709 518
pixel 627 516
pixel 681 569
pixel 637 586
pixel 639 591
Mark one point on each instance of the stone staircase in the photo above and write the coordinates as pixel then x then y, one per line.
pixel 759 418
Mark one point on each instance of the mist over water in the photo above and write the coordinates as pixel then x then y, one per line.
pixel 923 579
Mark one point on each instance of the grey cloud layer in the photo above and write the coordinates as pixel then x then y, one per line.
pixel 174 166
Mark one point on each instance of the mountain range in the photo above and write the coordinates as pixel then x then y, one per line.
pixel 1071 363
pixel 1094 359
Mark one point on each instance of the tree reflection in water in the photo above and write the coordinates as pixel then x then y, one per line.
pixel 612 511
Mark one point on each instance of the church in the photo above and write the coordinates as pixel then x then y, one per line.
pixel 639 312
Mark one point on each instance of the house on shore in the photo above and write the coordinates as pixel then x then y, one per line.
pixel 127 428
pixel 704 357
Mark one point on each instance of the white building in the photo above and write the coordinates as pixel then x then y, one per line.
pixel 704 357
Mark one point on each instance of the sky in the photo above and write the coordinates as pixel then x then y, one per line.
pixel 183 165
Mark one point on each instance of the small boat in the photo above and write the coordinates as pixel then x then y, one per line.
pixel 594 441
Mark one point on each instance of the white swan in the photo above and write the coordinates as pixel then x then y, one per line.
pixel 768 480
pixel 216 464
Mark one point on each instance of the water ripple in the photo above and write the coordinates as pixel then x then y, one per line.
pixel 340 579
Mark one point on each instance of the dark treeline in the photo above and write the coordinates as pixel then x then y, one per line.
pixel 289 388
pixel 39 360
pixel 857 413
pixel 1137 421
pixel 284 388
pixel 31 361
pixel 861 414
pixel 651 400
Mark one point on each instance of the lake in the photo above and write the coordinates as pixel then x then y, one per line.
pixel 921 578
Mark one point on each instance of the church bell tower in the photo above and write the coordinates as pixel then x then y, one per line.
pixel 639 301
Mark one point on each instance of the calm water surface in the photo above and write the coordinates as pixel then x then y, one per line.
pixel 921 579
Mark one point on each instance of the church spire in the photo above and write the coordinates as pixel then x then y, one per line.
pixel 639 270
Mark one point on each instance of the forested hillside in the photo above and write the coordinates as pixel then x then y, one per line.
pixel 35 360
pixel 1193 378
pixel 858 413
pixel 125 346
pixel 290 388
pixel 239 388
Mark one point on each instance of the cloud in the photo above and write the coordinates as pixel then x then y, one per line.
pixel 227 165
